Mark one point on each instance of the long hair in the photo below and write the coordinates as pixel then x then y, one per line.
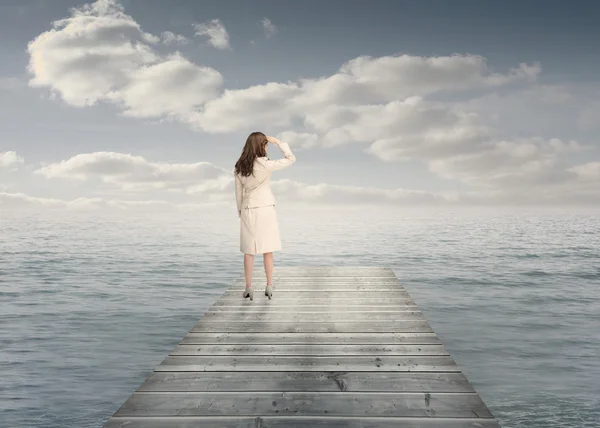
pixel 256 146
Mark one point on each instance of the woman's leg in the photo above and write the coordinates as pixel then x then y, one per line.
pixel 268 259
pixel 248 266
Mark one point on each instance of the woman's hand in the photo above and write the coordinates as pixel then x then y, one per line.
pixel 273 140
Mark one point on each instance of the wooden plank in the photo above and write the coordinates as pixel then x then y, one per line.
pixel 323 290
pixel 319 282
pixel 375 287
pixel 350 280
pixel 313 309
pixel 309 363
pixel 293 277
pixel 282 300
pixel 402 404
pixel 316 327
pixel 298 422
pixel 321 278
pixel 324 294
pixel 322 287
pixel 319 288
pixel 326 271
pixel 304 350
pixel 307 381
pixel 310 338
pixel 289 274
pixel 312 317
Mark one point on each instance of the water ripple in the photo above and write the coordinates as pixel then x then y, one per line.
pixel 90 305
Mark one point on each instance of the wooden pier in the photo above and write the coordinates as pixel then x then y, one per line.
pixel 335 347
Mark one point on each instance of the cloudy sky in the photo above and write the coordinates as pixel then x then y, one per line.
pixel 395 103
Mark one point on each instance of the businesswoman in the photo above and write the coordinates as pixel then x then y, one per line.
pixel 259 230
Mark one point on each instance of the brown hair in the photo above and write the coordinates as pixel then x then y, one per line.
pixel 256 146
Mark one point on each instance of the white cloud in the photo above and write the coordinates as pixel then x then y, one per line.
pixel 366 79
pixel 10 159
pixel 302 140
pixel 512 164
pixel 17 200
pixel 293 193
pixel 269 28
pixel 24 201
pixel 216 32
pixel 134 173
pixel 170 38
pixel 362 82
pixel 239 109
pixel 323 193
pixel 400 129
pixel 171 87
pixel 100 53
pixel 587 172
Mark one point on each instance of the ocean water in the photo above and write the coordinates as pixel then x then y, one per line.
pixel 91 302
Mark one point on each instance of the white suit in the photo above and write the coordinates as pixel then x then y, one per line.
pixel 259 231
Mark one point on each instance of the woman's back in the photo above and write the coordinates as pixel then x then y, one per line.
pixel 255 190
pixel 258 173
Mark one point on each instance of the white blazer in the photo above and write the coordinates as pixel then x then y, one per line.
pixel 255 190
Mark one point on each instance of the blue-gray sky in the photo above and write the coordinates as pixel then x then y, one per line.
pixel 391 103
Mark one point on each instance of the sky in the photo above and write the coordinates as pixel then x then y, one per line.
pixel 146 104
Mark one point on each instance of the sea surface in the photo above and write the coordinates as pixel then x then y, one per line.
pixel 91 302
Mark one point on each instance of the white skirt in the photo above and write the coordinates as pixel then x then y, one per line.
pixel 259 230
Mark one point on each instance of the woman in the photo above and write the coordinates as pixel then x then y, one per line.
pixel 259 231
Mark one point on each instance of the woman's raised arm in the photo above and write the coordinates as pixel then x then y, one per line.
pixel 273 165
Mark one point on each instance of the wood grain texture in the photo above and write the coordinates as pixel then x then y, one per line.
pixel 297 350
pixel 314 282
pixel 321 288
pixel 290 316
pixel 307 299
pixel 305 293
pixel 206 326
pixel 307 381
pixel 325 271
pixel 401 404
pixel 310 339
pixel 311 309
pixel 299 422
pixel 311 363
